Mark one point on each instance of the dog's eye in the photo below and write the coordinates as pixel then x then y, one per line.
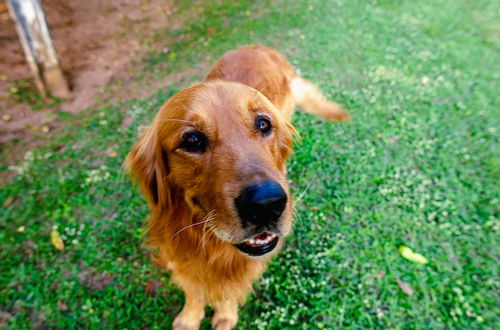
pixel 263 125
pixel 194 142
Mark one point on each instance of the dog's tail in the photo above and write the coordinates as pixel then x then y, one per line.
pixel 310 99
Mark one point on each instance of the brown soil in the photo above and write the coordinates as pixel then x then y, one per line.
pixel 96 41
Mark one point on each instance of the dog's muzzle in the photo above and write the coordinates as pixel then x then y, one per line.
pixel 261 204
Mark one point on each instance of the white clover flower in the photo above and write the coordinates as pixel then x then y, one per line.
pixel 136 111
pixel 96 175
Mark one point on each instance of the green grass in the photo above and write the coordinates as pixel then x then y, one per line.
pixel 418 165
pixel 24 91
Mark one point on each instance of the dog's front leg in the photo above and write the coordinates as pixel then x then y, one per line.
pixel 226 315
pixel 193 311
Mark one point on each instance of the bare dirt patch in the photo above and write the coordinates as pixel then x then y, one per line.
pixel 97 41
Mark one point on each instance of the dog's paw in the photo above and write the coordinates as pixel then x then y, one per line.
pixel 186 322
pixel 224 322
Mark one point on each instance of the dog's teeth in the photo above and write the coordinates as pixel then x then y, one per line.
pixel 261 239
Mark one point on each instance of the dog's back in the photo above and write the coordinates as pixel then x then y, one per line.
pixel 262 68
pixel 269 72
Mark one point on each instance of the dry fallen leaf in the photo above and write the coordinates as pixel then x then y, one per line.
pixel 151 287
pixel 62 306
pixel 95 281
pixel 404 287
pixel 4 317
pixel 380 275
pixel 8 201
pixel 56 240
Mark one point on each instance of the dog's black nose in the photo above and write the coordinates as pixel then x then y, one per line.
pixel 261 203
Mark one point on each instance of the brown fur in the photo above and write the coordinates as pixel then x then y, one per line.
pixel 268 71
pixel 193 223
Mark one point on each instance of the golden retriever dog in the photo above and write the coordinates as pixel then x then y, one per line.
pixel 212 166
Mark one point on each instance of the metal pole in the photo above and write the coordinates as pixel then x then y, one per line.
pixel 38 47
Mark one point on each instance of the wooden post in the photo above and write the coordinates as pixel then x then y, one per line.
pixel 38 47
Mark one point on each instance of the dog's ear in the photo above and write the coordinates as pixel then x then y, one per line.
pixel 147 162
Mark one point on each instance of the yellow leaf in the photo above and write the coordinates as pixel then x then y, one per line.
pixel 407 253
pixel 56 240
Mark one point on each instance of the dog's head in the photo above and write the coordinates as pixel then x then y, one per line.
pixel 219 148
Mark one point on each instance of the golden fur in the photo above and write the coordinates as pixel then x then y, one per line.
pixel 193 223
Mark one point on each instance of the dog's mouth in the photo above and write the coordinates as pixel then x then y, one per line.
pixel 259 244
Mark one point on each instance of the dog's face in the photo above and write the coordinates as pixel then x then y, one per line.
pixel 220 148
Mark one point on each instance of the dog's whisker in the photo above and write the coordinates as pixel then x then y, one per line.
pixel 189 226
pixel 210 216
pixel 302 194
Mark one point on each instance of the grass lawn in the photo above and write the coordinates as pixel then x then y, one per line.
pixel 418 165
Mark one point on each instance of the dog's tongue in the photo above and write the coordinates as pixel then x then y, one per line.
pixel 260 239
